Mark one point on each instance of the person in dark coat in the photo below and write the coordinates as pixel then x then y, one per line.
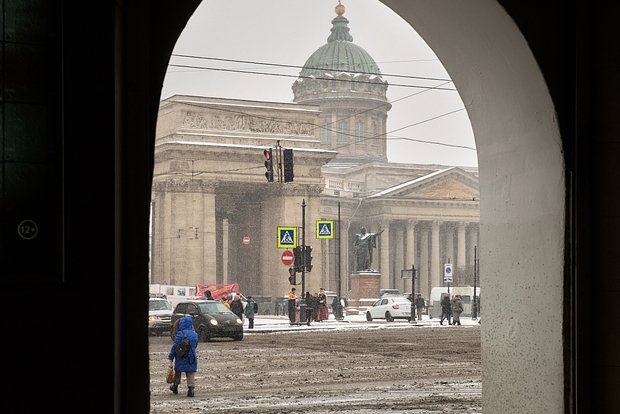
pixel 446 309
pixel 187 364
pixel 309 307
pixel 457 308
pixel 419 303
pixel 236 306
pixel 249 312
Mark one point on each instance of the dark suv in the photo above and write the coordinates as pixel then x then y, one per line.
pixel 212 319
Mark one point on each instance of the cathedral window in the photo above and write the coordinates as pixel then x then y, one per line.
pixel 359 132
pixel 374 132
pixel 343 132
pixel 326 134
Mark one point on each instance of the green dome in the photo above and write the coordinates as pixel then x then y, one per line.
pixel 339 54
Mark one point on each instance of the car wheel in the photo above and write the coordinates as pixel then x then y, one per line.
pixel 388 317
pixel 203 336
pixel 238 337
pixel 368 317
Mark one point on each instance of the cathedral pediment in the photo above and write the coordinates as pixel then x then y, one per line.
pixel 449 184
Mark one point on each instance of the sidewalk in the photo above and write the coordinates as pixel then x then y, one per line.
pixel 272 323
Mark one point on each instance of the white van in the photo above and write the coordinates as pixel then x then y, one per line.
pixel 467 297
pixel 174 293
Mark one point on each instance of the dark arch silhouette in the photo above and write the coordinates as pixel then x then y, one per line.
pixel 105 64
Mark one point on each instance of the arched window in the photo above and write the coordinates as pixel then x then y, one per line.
pixel 374 131
pixel 359 132
pixel 326 134
pixel 343 131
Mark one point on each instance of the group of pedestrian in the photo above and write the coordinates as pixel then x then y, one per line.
pixel 235 304
pixel 451 309
pixel 315 307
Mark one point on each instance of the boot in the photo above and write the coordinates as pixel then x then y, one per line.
pixel 190 391
pixel 174 388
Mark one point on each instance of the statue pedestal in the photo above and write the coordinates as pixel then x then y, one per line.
pixel 364 288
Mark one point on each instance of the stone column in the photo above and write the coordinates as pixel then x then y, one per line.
pixel 399 256
pixel 473 241
pixel 410 248
pixel 178 249
pixel 209 255
pixel 328 271
pixel 460 259
pixel 449 241
pixel 384 255
pixel 166 238
pixel 435 259
pixel 225 249
pixel 424 280
pixel 157 238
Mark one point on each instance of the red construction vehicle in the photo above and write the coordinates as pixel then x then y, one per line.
pixel 218 290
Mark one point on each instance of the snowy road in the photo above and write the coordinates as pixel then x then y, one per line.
pixel 330 367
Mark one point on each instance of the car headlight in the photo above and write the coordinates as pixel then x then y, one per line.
pixel 239 321
pixel 213 322
pixel 153 318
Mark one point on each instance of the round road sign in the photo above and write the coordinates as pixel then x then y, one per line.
pixel 287 258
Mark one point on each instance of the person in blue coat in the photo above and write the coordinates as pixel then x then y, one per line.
pixel 188 363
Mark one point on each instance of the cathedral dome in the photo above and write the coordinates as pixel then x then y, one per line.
pixel 340 54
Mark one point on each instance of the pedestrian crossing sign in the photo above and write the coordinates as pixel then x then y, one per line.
pixel 324 229
pixel 287 237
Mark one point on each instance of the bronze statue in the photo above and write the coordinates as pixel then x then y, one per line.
pixel 362 249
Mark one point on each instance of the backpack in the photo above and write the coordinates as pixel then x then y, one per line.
pixel 255 307
pixel 183 349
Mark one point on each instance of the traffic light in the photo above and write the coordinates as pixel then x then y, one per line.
pixel 268 164
pixel 292 276
pixel 297 263
pixel 288 165
pixel 308 258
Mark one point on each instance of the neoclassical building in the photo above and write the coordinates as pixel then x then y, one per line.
pixel 215 217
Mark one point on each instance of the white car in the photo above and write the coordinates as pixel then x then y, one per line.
pixel 389 309
pixel 160 315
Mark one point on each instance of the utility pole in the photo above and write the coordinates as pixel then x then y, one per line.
pixel 339 279
pixel 279 160
pixel 302 315
pixel 413 318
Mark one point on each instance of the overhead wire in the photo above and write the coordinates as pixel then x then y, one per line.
pixel 281 65
pixel 282 75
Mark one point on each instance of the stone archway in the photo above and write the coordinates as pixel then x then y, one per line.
pixel 522 188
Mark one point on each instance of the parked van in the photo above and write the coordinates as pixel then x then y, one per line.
pixel 467 297
pixel 174 293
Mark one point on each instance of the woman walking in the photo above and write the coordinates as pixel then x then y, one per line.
pixel 184 361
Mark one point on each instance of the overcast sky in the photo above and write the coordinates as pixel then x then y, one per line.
pixel 287 32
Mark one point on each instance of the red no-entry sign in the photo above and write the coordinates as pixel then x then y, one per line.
pixel 287 258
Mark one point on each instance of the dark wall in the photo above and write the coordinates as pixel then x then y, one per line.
pixel 83 82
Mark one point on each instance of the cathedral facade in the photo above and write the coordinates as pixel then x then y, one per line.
pixel 215 217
